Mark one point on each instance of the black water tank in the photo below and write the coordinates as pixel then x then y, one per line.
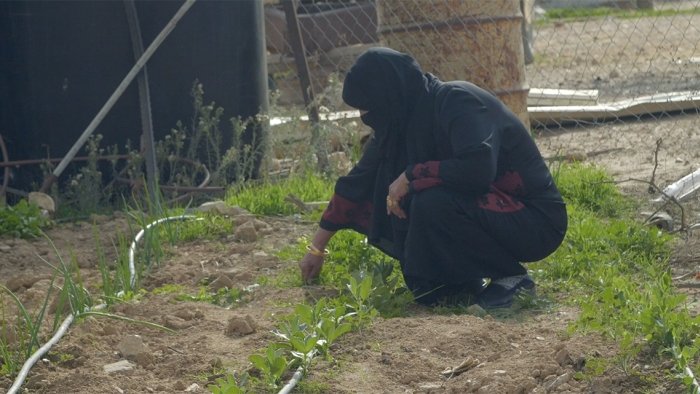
pixel 61 60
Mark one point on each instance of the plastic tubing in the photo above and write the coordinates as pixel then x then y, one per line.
pixel 292 382
pixel 132 248
pixel 22 375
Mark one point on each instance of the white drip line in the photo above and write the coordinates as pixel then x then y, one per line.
pixel 132 248
pixel 292 382
pixel 42 351
pixel 31 361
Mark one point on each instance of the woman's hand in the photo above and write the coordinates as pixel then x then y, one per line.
pixel 397 191
pixel 310 267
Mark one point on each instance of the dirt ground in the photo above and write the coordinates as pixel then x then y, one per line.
pixel 532 352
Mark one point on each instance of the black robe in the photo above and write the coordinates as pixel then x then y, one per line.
pixel 481 197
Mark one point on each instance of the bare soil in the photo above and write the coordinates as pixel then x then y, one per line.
pixel 529 352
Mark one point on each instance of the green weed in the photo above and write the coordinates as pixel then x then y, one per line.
pixel 617 270
pixel 603 12
pixel 268 198
pixel 228 385
pixel 23 220
pixel 272 365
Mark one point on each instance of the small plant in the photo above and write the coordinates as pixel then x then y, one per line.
pixel 272 365
pixel 23 220
pixel 228 385
pixel 618 272
pixel 360 300
pixel 224 297
pixel 26 332
pixel 269 198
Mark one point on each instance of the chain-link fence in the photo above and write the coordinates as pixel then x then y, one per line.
pixel 616 81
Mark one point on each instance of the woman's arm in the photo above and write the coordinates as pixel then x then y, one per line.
pixel 312 262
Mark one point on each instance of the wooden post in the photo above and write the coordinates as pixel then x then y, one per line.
pixel 307 90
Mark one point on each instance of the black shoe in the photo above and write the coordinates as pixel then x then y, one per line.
pixel 500 293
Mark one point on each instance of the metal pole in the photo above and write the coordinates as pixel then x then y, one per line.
pixel 115 96
pixel 147 140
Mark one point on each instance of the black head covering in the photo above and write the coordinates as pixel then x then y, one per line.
pixel 391 86
pixel 387 83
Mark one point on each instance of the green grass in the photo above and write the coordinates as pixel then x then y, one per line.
pixel 617 271
pixel 268 198
pixel 573 14
pixel 23 220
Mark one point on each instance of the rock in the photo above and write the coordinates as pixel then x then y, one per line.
pixel 221 282
pixel 193 388
pixel 244 277
pixel 240 326
pixel 261 226
pixel 553 385
pixel 430 386
pixel 35 381
pixel 119 366
pixel 221 208
pixel 241 219
pixel 109 329
pixel 43 201
pixel 24 281
pixel 176 323
pixel 246 233
pixel 562 357
pixel 476 310
pixel 131 346
pixel 186 314
pixel 5 248
pixel 144 359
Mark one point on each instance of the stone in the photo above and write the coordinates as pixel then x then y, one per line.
pixel 176 323
pixel 109 329
pixel 25 281
pixel 193 388
pixel 223 281
pixel 239 326
pixel 144 359
pixel 119 366
pixel 554 384
pixel 246 233
pixel 130 346
pixel 562 357
pixel 186 314
pixel 261 226
pixel 241 219
pixel 43 201
pixel 35 381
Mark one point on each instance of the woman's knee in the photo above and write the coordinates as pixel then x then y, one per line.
pixel 434 204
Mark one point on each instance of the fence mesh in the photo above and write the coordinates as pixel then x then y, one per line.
pixel 616 84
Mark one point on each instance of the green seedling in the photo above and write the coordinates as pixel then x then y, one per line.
pixel 27 331
pixel 332 326
pixel 272 365
pixel 360 301
pixel 23 220
pixel 224 297
pixel 227 385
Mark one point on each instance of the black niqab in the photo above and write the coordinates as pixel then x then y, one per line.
pixel 391 86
